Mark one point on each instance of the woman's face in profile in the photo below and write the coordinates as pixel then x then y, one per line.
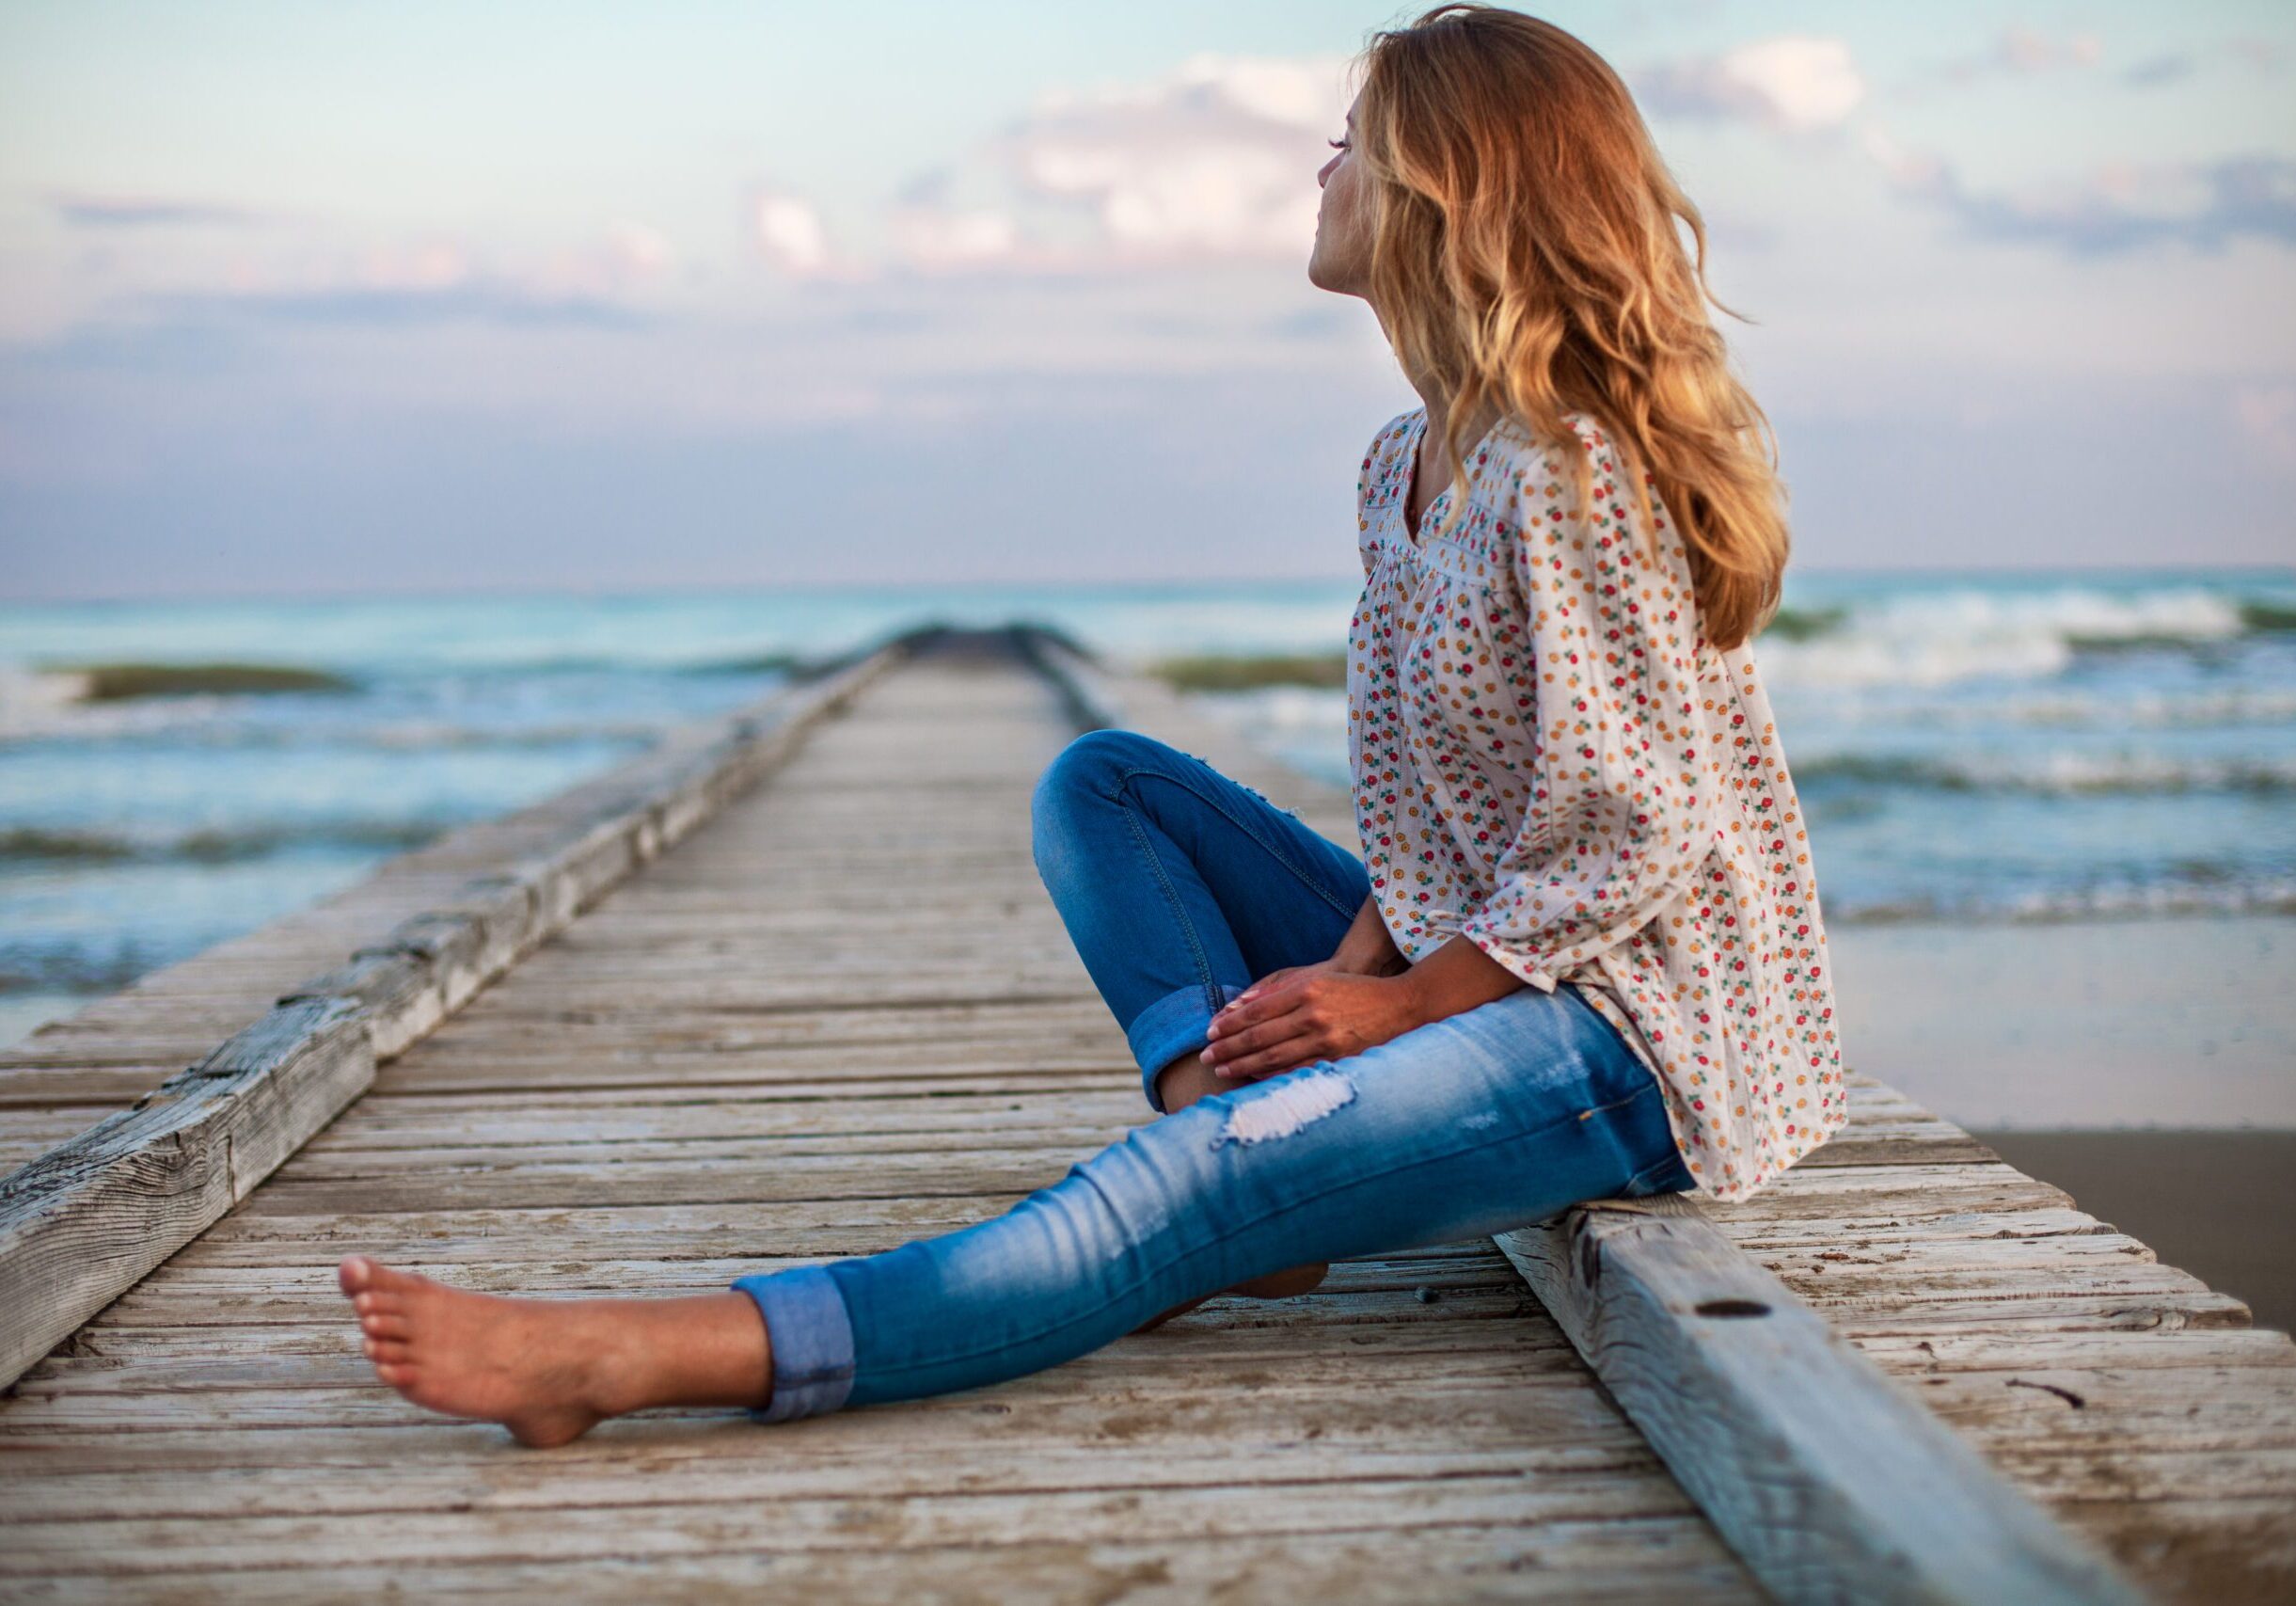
pixel 1340 261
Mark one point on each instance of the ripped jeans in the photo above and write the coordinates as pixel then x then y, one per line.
pixel 1180 888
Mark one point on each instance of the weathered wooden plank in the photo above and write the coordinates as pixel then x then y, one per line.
pixel 441 1483
pixel 272 1476
pixel 1831 1480
pixel 844 1523
pixel 93 1215
pixel 1611 1561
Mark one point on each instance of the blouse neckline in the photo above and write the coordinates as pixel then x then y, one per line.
pixel 1415 436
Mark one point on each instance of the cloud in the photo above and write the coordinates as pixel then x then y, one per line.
pixel 1215 160
pixel 2022 50
pixel 640 251
pixel 2170 67
pixel 788 233
pixel 597 284
pixel 933 237
pixel 81 209
pixel 481 301
pixel 2017 51
pixel 1795 84
pixel 2121 207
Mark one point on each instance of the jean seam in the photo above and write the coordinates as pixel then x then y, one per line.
pixel 1637 1180
pixel 1271 848
pixel 1237 1231
pixel 1179 910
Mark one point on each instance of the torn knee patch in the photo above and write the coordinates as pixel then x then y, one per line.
pixel 1286 1107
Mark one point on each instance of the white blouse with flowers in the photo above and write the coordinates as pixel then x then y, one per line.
pixel 1550 761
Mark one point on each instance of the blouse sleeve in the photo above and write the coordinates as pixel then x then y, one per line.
pixel 1623 809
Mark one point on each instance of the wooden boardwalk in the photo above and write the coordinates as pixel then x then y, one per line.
pixel 843 1014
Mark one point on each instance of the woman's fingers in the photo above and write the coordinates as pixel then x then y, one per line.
pixel 1272 1000
pixel 1288 1056
pixel 1252 1031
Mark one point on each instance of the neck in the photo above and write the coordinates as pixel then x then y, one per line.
pixel 1433 395
pixel 1436 398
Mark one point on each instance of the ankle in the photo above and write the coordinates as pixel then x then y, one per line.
pixel 1185 1080
pixel 616 1364
pixel 703 1350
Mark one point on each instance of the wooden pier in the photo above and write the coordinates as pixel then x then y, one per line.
pixel 788 989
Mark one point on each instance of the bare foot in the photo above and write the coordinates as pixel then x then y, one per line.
pixel 550 1370
pixel 532 1366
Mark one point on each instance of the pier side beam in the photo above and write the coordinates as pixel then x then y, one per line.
pixel 1831 1480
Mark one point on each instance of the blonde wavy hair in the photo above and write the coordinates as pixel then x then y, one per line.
pixel 1525 254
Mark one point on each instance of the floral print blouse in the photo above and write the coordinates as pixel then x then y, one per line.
pixel 1550 761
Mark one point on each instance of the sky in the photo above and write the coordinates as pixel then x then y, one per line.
pixel 423 297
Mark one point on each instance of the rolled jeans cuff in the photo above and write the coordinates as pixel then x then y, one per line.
pixel 1178 1023
pixel 811 1334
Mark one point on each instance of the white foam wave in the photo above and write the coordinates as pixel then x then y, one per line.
pixel 2173 895
pixel 32 700
pixel 1938 638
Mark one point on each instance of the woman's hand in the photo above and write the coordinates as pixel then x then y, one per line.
pixel 1294 1017
pixel 1290 1018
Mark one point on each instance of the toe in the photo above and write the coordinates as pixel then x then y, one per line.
pixel 386 1324
pixel 387 1352
pixel 355 1273
pixel 388 1283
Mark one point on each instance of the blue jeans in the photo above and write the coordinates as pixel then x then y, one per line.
pixel 1180 888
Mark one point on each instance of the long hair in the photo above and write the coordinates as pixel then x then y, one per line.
pixel 1525 254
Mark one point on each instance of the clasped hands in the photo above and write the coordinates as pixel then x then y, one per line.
pixel 1294 1017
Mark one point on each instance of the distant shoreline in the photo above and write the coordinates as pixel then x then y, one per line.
pixel 1337 574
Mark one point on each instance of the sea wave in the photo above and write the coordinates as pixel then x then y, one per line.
pixel 2191 891
pixel 1287 710
pixel 217 723
pixel 2050 773
pixel 1930 639
pixel 28 845
pixel 2115 707
pixel 72 969
pixel 1939 638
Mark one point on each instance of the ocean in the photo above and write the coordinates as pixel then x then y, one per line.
pixel 1991 750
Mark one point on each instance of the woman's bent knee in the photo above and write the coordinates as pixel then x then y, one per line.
pixel 1093 760
pixel 1088 770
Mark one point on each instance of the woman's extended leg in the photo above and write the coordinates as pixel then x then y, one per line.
pixel 1494 1118
pixel 1180 888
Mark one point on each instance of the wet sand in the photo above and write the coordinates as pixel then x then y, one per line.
pixel 2168 1023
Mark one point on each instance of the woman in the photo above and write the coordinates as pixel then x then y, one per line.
pixel 1582 956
